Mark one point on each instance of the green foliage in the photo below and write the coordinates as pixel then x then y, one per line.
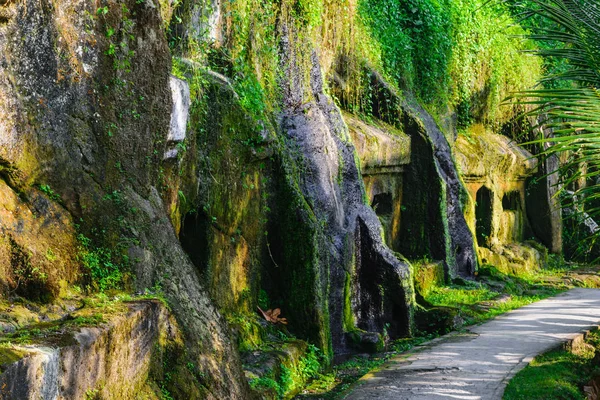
pixel 329 385
pixel 415 41
pixel 453 295
pixel 93 320
pixel 402 345
pixel 252 97
pixel 286 381
pixel 92 394
pixel 47 190
pixel 104 271
pixel 265 383
pixel 452 53
pixel 310 364
pixel 249 331
pixel 252 57
pixel 534 22
pixel 291 373
pixel 165 394
pixel 263 300
pixel 308 12
pixel 476 302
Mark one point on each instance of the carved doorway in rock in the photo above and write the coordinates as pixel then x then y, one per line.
pixel 194 239
pixel 483 216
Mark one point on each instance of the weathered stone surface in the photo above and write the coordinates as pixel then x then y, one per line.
pixel 15 315
pixel 207 337
pixel 381 148
pixel 111 361
pixel 359 282
pixel 543 205
pixel 433 224
pixel 370 342
pixel 180 92
pixel 485 156
pixel 438 320
pixel 427 276
pixel 88 116
pixel 225 175
pixel 436 223
pixel 203 21
pixel 514 258
pixel 36 244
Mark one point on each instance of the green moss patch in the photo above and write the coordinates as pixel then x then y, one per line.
pixel 10 355
pixel 331 384
pixel 93 311
pixel 428 275
pixel 492 294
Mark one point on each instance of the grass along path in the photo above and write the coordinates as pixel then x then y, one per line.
pixel 559 374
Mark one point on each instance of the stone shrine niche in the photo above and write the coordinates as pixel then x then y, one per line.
pixel 495 170
pixel 483 216
pixel 383 151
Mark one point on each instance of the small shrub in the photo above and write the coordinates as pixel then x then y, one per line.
pixel 104 272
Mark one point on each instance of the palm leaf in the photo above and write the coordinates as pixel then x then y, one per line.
pixel 572 115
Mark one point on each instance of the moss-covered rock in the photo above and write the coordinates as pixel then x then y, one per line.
pixel 515 258
pixel 109 357
pixel 434 224
pixel 281 372
pixel 428 275
pixel 370 342
pixel 86 106
pixel 225 177
pixel 37 246
pixel 437 320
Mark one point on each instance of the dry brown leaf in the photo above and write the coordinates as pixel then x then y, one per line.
pixel 272 316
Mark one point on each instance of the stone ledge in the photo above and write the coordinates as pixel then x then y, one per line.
pixel 112 359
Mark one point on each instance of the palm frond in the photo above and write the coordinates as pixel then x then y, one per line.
pixel 568 119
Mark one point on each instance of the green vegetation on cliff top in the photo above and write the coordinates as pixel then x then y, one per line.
pixel 457 56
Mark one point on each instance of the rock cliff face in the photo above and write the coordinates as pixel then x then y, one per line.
pixel 358 264
pixel 442 192
pixel 142 151
pixel 86 105
pixel 384 153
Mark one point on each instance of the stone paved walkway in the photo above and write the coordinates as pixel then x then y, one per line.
pixel 479 364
